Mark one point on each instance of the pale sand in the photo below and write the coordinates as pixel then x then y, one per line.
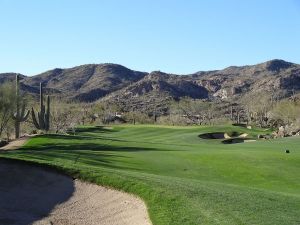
pixel 32 195
pixel 92 204
pixel 243 135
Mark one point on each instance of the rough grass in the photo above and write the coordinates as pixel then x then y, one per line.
pixel 182 178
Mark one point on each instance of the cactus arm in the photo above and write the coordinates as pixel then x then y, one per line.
pixel 17 95
pixel 47 116
pixel 22 111
pixel 19 116
pixel 22 117
pixel 42 109
pixel 46 122
pixel 25 117
pixel 15 116
pixel 35 122
pixel 17 128
pixel 42 119
pixel 41 96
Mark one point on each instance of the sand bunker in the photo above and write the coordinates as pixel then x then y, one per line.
pixel 223 135
pixel 237 140
pixel 217 135
pixel 228 138
pixel 32 195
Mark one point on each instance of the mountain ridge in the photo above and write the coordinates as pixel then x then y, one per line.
pixel 119 84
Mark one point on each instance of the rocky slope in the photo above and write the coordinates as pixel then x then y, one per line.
pixel 133 89
pixel 276 77
pixel 8 77
pixel 86 82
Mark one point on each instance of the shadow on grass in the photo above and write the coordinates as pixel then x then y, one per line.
pixel 94 134
pixel 81 153
pixel 80 137
pixel 87 146
pixel 96 129
pixel 83 157
pixel 82 150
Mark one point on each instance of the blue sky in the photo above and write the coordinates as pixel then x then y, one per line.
pixel 176 36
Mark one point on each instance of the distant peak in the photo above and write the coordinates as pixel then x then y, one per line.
pixel 158 72
pixel 158 75
pixel 112 64
pixel 277 64
pixel 57 70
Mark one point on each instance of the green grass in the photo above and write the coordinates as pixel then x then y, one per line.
pixel 182 178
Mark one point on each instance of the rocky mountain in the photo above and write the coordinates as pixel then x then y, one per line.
pixel 276 77
pixel 152 91
pixel 8 77
pixel 155 91
pixel 86 82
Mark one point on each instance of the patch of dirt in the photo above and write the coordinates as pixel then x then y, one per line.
pixel 32 195
pixel 16 143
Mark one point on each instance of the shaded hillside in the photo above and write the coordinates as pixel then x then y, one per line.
pixel 155 91
pixel 9 77
pixel 86 82
pixel 143 91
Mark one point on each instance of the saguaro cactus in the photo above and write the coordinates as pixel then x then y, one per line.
pixel 42 120
pixel 19 116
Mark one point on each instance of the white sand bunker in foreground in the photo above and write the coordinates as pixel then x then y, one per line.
pixel 31 195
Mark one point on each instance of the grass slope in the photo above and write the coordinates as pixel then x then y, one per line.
pixel 182 178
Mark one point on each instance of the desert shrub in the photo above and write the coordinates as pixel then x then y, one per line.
pixel 7 107
pixel 172 119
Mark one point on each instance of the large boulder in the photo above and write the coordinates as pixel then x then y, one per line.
pixel 3 143
pixel 281 131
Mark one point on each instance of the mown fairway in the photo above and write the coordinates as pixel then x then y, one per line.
pixel 182 178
